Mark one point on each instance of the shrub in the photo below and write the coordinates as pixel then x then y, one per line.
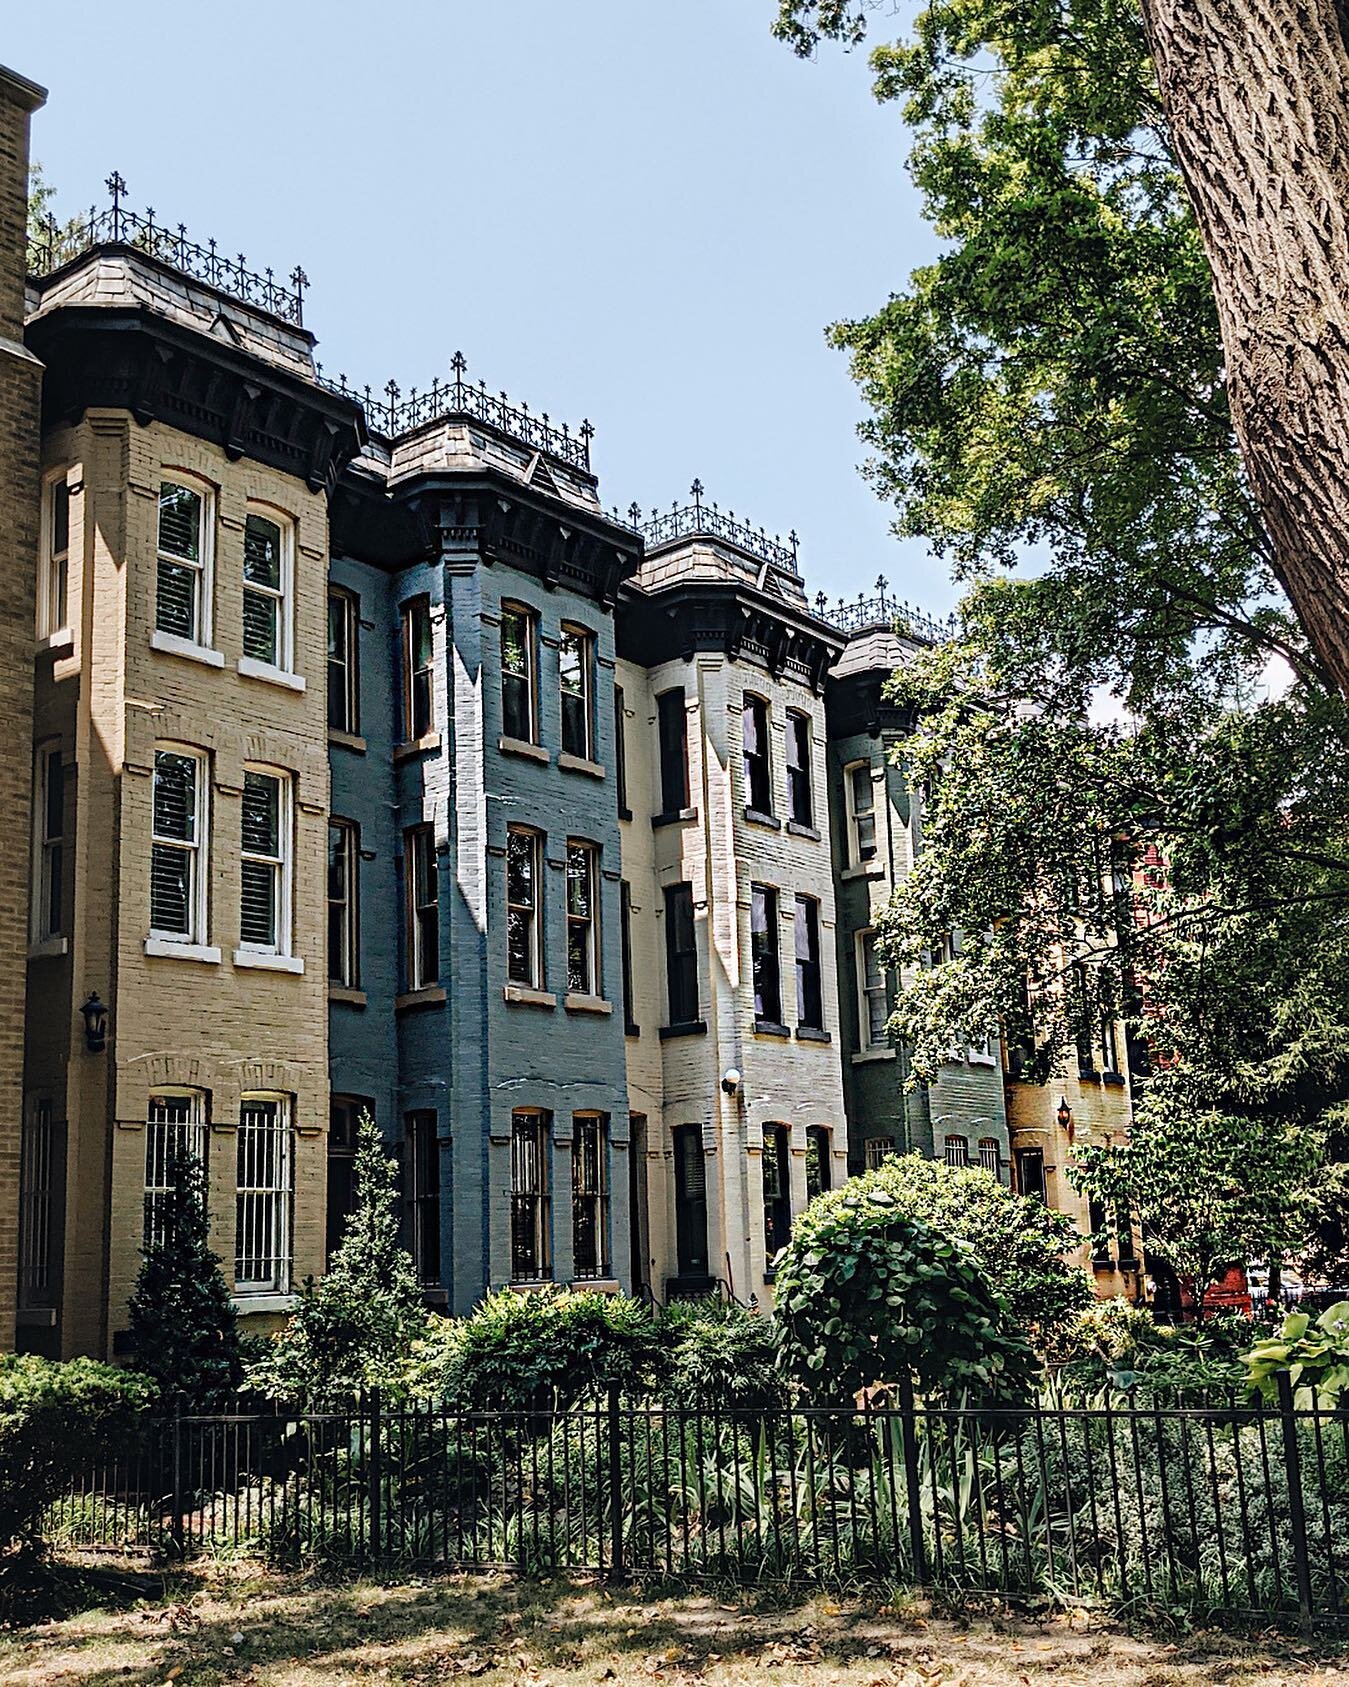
pixel 1315 1356
pixel 184 1332
pixel 1020 1244
pixel 556 1345
pixel 722 1354
pixel 355 1328
pixel 868 1293
pixel 54 1420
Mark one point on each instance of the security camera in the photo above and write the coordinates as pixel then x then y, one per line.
pixel 730 1080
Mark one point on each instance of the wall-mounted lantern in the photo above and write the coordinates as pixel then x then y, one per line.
pixel 1065 1117
pixel 95 1016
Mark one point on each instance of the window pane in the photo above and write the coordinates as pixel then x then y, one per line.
pixel 262 552
pixel 579 877
pixel 262 616
pixel 261 814
pixel 257 916
pixel 60 517
pixel 170 890
pixel 180 521
pixel 520 868
pixel 175 797
pixel 176 600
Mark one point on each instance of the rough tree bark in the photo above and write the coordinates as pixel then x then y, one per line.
pixel 1256 95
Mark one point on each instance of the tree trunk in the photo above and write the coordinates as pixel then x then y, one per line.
pixel 1256 95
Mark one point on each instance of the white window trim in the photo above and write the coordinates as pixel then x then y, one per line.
pixel 283 668
pixel 174 643
pixel 249 1289
pixel 195 939
pixel 855 857
pixel 280 951
pixel 39 937
pixel 51 629
pixel 195 1123
pixel 865 1041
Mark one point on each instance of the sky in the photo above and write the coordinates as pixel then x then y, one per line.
pixel 643 212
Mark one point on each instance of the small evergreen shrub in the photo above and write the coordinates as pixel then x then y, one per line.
pixel 866 1293
pixel 355 1328
pixel 56 1419
pixel 184 1332
pixel 722 1355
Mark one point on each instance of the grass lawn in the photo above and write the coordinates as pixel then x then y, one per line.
pixel 238 1624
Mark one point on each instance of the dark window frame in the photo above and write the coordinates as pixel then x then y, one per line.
pixel 520 689
pixel 765 961
pixel 673 737
pixel 344 666
pixel 531 1146
pixel 683 994
pixel 590 1196
pixel 421 872
pixel 800 771
pixel 419 705
pixel 577 706
pixel 777 1190
pixel 756 752
pixel 421 1176
pixel 809 973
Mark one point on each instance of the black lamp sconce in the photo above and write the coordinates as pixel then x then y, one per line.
pixel 95 1016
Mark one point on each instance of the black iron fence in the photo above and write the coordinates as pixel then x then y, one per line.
pixel 1219 1505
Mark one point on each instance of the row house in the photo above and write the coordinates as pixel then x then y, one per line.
pixel 375 768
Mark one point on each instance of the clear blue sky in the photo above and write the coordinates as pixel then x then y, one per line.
pixel 641 211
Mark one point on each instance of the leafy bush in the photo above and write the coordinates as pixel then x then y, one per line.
pixel 556 1346
pixel 1116 1345
pixel 1315 1356
pixel 54 1419
pixel 1020 1244
pixel 355 1328
pixel 722 1354
pixel 184 1331
pixel 868 1293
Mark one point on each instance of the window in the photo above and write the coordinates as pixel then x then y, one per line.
pixel 872 1008
pixel 1086 1053
pixel 690 1167
pixel 268 569
pixel 819 1161
pixel 1124 1238
pixel 344 949
pixel 264 913
pixel 37 1163
pixel 524 907
pixel 177 847
pixel 263 1194
pixel 860 801
pixel 422 1160
pixel 418 705
pixel 1030 1172
pixel 1109 1043
pixel 182 595
pixel 576 672
pixel 520 673
pixel 777 1190
pixel 621 752
pixel 54 564
pixel 809 1000
pixel 681 955
pixel 49 815
pixel 583 949
pixel 625 913
pixel 758 764
pixel 529 1197
pixel 800 794
pixel 1100 1236
pixel 763 924
pixel 957 1151
pixel 344 697
pixel 421 886
pixel 990 1156
pixel 344 1115
pixel 590 1195
pixel 672 729
pixel 175 1129
pixel 876 1151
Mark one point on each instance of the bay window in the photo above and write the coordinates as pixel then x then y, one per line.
pixel 183 565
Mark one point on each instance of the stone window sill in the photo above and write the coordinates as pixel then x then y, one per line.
pixel 977 1059
pixel 691 1028
pixel 579 764
pixel 47 948
pixel 600 1285
pixel 522 747
pixel 864 870
pixel 347 740
pixel 1088 1075
pixel 770 1028
pixel 864 1057
pixel 265 962
pixel 632 1030
pixel 675 817
pixel 172 645
pixel 803 829
pixel 1116 1078
pixel 576 1002
pixel 345 994
pixel 625 813
pixel 432 996
pixel 172 949
pixel 757 817
pixel 244 1302
pixel 524 995
pixel 813 1034
pixel 423 746
pixel 251 668
pixel 59 643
